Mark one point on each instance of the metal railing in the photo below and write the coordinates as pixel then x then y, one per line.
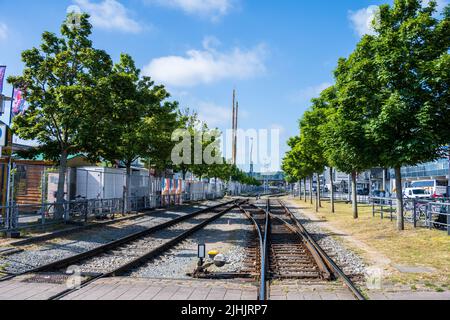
pixel 418 212
pixel 23 216
pixel 338 196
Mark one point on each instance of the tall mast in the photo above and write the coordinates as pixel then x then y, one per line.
pixel 251 158
pixel 234 127
pixel 236 132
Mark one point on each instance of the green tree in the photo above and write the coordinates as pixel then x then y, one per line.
pixel 159 128
pixel 411 55
pixel 137 113
pixel 309 144
pixel 346 143
pixel 189 123
pixel 65 83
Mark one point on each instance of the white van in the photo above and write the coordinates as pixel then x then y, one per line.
pixel 437 188
pixel 416 193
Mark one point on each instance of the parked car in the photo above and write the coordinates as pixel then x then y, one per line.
pixel 363 192
pixel 381 194
pixel 416 193
pixel 436 188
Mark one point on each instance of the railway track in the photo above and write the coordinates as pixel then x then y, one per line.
pixel 287 251
pixel 124 255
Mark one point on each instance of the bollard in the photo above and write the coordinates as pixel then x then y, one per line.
pixel 429 215
pixel 373 208
pixel 415 213
pixel 448 223
pixel 390 210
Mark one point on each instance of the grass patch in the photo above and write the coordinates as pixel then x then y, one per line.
pixel 413 247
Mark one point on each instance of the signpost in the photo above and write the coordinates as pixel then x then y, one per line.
pixel 3 132
pixel 448 174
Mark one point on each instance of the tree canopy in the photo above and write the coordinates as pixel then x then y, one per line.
pixel 389 106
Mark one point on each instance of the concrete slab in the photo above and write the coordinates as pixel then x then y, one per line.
pixel 414 269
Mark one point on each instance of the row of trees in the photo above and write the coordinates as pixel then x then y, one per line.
pixel 82 102
pixel 389 106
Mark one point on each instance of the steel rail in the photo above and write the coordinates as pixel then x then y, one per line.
pixel 148 256
pixel 324 271
pixel 262 293
pixel 338 272
pixel 265 269
pixel 114 244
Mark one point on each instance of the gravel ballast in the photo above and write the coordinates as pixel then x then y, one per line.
pixel 228 235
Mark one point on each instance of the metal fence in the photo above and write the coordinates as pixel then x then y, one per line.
pixel 22 216
pixel 338 196
pixel 418 212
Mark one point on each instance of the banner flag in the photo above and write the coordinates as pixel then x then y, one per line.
pixel 2 77
pixel 19 105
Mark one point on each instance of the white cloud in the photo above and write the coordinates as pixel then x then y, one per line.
pixel 440 4
pixel 207 65
pixel 209 8
pixel 110 15
pixel 305 95
pixel 362 20
pixel 216 115
pixel 3 31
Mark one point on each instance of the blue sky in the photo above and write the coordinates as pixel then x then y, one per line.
pixel 277 54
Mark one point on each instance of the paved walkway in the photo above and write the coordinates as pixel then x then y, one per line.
pixel 409 295
pixel 150 289
pixel 296 290
pixel 131 289
pixel 25 288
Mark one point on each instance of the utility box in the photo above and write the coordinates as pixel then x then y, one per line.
pixel 100 183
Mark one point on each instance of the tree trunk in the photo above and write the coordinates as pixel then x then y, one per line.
pixel 349 188
pixel 127 193
pixel 304 190
pixel 60 193
pixel 333 210
pixel 318 193
pixel 319 198
pixel 300 189
pixel 354 195
pixel 399 192
pixel 311 189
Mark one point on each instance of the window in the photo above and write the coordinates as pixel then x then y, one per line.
pixel 21 180
pixel 423 184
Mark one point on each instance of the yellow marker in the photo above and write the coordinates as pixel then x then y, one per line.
pixel 213 253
